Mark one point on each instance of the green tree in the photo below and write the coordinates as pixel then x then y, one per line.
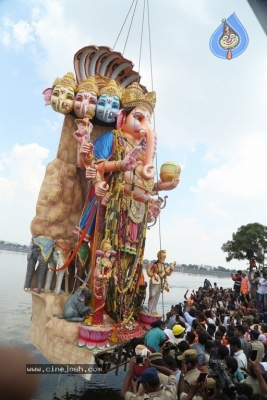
pixel 250 236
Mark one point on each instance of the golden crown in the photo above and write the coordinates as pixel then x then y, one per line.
pixel 105 245
pixel 67 80
pixel 133 96
pixel 89 85
pixel 108 86
pixel 161 253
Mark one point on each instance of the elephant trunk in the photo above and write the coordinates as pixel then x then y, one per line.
pixel 151 148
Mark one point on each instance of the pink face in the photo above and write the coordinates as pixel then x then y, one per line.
pixel 84 102
pixel 107 254
pixel 136 123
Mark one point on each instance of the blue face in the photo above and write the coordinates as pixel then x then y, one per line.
pixel 107 108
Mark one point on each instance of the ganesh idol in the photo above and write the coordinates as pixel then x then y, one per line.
pixel 108 103
pixel 123 177
pixel 84 108
pixel 61 95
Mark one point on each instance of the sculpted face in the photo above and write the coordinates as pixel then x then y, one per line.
pixel 136 122
pixel 229 41
pixel 62 99
pixel 107 108
pixel 107 254
pixel 84 102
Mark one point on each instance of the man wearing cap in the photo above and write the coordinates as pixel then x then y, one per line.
pixel 256 344
pixel 151 386
pixel 189 372
pixel 156 359
pixel 178 333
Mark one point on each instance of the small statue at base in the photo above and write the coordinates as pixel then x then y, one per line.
pixel 158 274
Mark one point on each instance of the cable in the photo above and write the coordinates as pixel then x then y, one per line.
pixel 149 39
pixel 130 27
pixel 141 40
pixel 123 25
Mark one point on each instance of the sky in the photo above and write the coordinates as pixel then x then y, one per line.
pixel 210 115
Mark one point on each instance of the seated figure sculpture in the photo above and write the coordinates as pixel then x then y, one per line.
pixel 74 309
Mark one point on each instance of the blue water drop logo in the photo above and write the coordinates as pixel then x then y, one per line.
pixel 230 39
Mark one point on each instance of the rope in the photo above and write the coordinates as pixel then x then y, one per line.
pixel 150 53
pixel 141 39
pixel 130 27
pixel 154 124
pixel 123 25
pixel 67 263
pixel 89 184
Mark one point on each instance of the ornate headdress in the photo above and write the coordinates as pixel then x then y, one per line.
pixel 133 96
pixel 161 254
pixel 67 80
pixel 105 245
pixel 108 86
pixel 89 85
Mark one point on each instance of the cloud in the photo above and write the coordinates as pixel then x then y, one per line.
pixel 22 170
pixel 7 192
pixel 17 34
pixel 242 176
pixel 20 179
pixel 22 32
pixel 187 240
pixel 210 156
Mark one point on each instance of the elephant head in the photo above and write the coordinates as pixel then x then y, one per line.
pixel 39 251
pixel 84 293
pixel 61 253
pixel 62 96
pixel 136 126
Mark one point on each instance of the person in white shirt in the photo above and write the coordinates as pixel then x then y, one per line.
pixel 238 354
pixel 261 291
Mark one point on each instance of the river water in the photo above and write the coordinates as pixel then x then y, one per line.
pixel 15 311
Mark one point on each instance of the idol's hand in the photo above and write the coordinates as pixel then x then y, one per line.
pixel 129 163
pixel 91 171
pixel 105 200
pixel 101 188
pixel 86 148
pixel 165 185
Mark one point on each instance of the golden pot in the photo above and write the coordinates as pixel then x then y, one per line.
pixel 169 170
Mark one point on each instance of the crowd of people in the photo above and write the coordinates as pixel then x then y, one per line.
pixel 212 346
